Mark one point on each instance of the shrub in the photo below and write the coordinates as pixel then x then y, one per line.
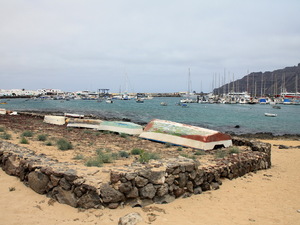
pixel 168 145
pixel 104 157
pixel 5 136
pixel 188 156
pixel 94 162
pixel 2 129
pixel 220 154
pixel 124 154
pixel 136 151
pixel 49 143
pixel 199 152
pixel 233 150
pixel 27 133
pixel 24 141
pixel 63 144
pixel 123 135
pixel 79 157
pixel 146 156
pixel 42 137
pixel 179 149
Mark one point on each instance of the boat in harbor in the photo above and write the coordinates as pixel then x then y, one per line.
pixel 185 135
pixel 271 114
pixel 121 127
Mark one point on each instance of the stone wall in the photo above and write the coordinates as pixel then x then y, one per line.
pixel 137 185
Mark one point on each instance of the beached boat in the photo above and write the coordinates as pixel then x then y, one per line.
pixel 57 120
pixel 185 135
pixel 2 111
pixel 73 115
pixel 83 123
pixel 121 127
pixel 270 114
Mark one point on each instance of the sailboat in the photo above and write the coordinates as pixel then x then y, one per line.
pixel 189 97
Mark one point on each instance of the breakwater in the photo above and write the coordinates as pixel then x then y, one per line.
pixel 159 181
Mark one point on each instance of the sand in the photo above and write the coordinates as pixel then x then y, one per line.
pixel 267 197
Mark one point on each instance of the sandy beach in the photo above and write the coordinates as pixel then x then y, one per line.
pixel 266 197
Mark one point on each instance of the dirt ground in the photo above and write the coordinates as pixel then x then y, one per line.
pixel 266 197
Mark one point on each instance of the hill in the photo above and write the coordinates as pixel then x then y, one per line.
pixel 265 83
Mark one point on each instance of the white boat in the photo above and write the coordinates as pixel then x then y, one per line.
pixel 83 123
pixel 57 120
pixel 73 115
pixel 163 104
pixel 109 101
pixel 185 135
pixel 2 111
pixel 121 127
pixel 271 114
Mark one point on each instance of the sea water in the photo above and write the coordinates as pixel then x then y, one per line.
pixel 222 117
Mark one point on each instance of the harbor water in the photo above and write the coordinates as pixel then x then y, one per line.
pixel 237 118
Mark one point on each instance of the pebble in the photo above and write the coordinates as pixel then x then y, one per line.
pixel 298 210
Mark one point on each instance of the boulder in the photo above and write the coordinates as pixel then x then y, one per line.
pixel 148 191
pixel 109 194
pixel 38 182
pixel 130 219
pixel 89 200
pixel 65 197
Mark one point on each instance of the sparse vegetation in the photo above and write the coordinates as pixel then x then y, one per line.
pixel 63 144
pixel 188 156
pixel 27 133
pixel 136 151
pixel 147 156
pixel 5 136
pixel 24 141
pixel 168 145
pixel 220 154
pixel 123 135
pixel 199 152
pixel 49 143
pixel 42 137
pixel 2 129
pixel 179 149
pixel 94 162
pixel 124 154
pixel 79 157
pixel 233 150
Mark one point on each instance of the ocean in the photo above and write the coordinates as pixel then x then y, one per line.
pixel 236 118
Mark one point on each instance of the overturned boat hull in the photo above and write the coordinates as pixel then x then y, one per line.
pixel 185 135
pixel 121 127
pixel 57 120
pixel 83 123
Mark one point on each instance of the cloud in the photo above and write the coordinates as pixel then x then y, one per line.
pixel 76 43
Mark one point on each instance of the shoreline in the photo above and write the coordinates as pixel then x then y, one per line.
pixel 258 135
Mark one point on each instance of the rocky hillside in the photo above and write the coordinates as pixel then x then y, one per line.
pixel 267 83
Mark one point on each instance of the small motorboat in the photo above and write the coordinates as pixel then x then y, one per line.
pixel 270 114
pixel 163 104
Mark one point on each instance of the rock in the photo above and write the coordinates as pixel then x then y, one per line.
pixel 125 187
pixel 205 186
pixel 162 190
pixel 155 176
pixel 197 190
pixel 283 147
pixel 182 180
pixel 109 194
pixel 148 191
pixel 140 181
pixel 113 205
pixel 11 166
pixel 215 186
pixel 134 193
pixel 65 197
pixel 130 219
pixel 190 186
pixel 89 200
pixel 164 199
pixel 178 192
pixel 65 184
pixel 114 177
pixel 38 182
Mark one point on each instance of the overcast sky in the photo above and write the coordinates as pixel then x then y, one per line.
pixel 89 44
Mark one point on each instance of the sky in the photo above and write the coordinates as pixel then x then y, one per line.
pixel 142 45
